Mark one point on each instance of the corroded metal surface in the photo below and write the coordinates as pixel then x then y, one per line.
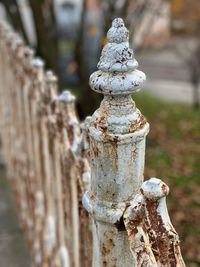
pixel 117 132
pixel 153 240
pixel 53 161
pixel 46 163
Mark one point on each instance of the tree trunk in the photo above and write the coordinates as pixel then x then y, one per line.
pixel 88 101
pixel 46 32
pixel 195 95
pixel 13 13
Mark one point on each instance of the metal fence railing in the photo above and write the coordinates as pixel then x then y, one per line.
pixel 54 163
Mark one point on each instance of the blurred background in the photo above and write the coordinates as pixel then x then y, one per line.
pixel 165 36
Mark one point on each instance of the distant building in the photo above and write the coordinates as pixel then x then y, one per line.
pixel 68 15
pixel 154 29
pixel 67 11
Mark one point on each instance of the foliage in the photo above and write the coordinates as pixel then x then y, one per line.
pixel 187 14
pixel 173 153
pixel 186 9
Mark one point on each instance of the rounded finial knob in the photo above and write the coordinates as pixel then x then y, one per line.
pixel 118 22
pixel 37 63
pixel 154 189
pixel 66 97
pixel 51 77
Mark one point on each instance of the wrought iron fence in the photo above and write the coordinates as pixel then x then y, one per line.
pixel 55 164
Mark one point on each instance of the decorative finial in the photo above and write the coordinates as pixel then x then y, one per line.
pixel 17 42
pixel 154 188
pixel 66 97
pixel 37 62
pixel 51 86
pixel 38 66
pixel 117 74
pixel 116 132
pixel 51 77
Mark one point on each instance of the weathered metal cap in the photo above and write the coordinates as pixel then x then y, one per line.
pixel 66 97
pixel 118 33
pixel 51 77
pixel 37 62
pixel 154 189
pixel 17 41
pixel 117 74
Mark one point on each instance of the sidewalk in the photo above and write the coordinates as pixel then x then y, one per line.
pixel 173 91
pixel 13 249
pixel 167 75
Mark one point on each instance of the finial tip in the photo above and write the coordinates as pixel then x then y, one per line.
pixel 154 188
pixel 50 76
pixel 38 62
pixel 118 33
pixel 66 97
pixel 118 22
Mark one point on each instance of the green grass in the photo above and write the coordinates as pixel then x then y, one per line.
pixel 174 135
pixel 173 113
pixel 173 154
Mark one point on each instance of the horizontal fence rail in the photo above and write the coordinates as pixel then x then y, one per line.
pixel 55 163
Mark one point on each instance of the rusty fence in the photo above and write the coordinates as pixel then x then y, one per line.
pixel 79 187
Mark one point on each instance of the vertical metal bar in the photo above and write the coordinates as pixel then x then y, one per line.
pixel 39 211
pixel 49 223
pixel 72 129
pixel 117 133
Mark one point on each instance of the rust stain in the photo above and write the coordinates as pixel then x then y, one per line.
pixel 139 124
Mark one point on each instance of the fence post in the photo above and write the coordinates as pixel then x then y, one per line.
pixel 153 240
pixel 117 133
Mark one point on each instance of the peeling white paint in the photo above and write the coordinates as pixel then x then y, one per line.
pixel 117 133
pixel 50 164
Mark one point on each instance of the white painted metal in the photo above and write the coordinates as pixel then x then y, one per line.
pixel 50 164
pixel 117 133
pixel 153 240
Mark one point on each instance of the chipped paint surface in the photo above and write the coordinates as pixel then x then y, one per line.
pixel 46 164
pixel 54 163
pixel 139 242
pixel 153 240
pixel 117 133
